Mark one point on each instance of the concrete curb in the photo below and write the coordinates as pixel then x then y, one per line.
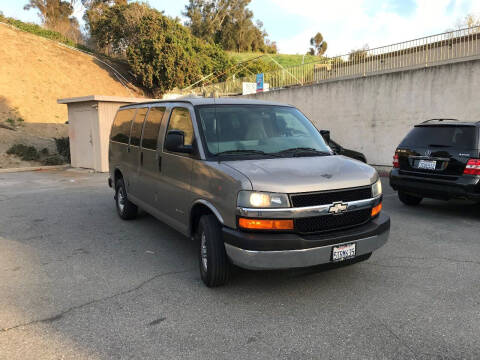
pixel 34 168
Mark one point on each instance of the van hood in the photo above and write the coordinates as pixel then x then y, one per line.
pixel 305 174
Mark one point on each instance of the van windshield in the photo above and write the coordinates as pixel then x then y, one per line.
pixel 459 137
pixel 258 130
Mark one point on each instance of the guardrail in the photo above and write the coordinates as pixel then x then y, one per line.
pixel 422 52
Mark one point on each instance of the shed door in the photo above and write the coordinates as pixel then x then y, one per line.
pixel 81 124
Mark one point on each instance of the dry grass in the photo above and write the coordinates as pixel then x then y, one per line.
pixel 35 72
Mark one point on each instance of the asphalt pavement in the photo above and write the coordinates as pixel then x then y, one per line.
pixel 76 282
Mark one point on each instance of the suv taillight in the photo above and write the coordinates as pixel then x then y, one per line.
pixel 396 163
pixel 473 167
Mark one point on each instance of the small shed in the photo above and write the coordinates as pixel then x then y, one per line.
pixel 89 121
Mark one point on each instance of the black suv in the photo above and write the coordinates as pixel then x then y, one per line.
pixel 440 159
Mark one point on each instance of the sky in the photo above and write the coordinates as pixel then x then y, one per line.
pixel 345 24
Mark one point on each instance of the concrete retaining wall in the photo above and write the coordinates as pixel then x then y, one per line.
pixel 373 114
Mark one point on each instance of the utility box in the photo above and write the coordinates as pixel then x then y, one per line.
pixel 90 119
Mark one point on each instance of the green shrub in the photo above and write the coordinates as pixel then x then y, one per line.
pixel 63 147
pixel 54 160
pixel 26 153
pixel 162 53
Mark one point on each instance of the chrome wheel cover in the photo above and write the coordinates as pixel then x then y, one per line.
pixel 203 251
pixel 121 198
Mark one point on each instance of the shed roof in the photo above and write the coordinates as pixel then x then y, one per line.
pixel 103 98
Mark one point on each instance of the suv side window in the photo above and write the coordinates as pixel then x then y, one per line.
pixel 137 126
pixel 121 126
pixel 180 120
pixel 152 128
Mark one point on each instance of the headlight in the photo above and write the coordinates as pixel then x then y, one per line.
pixel 254 199
pixel 377 188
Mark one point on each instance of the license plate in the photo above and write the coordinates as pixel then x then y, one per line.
pixel 427 164
pixel 343 252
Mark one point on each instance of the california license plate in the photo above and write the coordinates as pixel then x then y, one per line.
pixel 427 164
pixel 343 252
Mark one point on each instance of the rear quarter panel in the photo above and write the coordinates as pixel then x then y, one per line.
pixel 116 158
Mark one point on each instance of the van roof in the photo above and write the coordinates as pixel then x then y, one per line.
pixel 195 101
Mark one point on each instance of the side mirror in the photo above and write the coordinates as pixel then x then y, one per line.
pixel 326 135
pixel 175 142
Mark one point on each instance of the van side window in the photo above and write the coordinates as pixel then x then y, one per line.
pixel 180 120
pixel 137 126
pixel 152 128
pixel 121 126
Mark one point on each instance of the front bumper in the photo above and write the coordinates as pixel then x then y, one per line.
pixel 263 251
pixel 464 187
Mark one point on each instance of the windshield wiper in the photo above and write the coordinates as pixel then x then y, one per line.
pixel 243 151
pixel 299 150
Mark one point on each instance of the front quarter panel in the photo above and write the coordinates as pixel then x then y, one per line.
pixel 218 184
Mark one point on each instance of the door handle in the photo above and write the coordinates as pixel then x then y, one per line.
pixel 128 148
pixel 141 158
pixel 159 163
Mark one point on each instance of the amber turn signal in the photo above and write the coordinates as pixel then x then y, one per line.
pixel 376 210
pixel 261 224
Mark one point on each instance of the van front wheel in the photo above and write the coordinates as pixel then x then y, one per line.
pixel 214 265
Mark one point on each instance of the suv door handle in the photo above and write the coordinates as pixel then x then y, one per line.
pixel 128 148
pixel 159 163
pixel 141 158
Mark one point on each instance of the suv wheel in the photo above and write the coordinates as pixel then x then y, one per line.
pixel 408 199
pixel 214 265
pixel 125 208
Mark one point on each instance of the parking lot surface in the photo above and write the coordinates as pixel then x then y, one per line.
pixel 76 282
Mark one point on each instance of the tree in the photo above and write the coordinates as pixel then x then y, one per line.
pixel 470 20
pixel 162 53
pixel 319 45
pixel 95 8
pixel 114 28
pixel 57 15
pixel 51 11
pixel 228 23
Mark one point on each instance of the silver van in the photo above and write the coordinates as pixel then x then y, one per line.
pixel 253 182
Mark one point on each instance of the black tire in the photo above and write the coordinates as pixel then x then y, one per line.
pixel 125 208
pixel 213 260
pixel 408 199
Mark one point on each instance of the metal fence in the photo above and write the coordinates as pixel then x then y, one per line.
pixel 421 52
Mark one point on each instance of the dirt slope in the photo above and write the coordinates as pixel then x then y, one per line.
pixel 35 72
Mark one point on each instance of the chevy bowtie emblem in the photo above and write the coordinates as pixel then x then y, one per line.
pixel 428 152
pixel 338 208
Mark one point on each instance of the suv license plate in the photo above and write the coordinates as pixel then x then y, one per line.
pixel 427 164
pixel 343 252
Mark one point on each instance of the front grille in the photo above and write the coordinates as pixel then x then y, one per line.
pixel 329 197
pixel 332 222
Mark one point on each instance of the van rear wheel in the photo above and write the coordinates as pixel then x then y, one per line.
pixel 408 199
pixel 214 264
pixel 125 208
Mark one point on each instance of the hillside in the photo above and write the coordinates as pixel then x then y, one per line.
pixel 35 72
